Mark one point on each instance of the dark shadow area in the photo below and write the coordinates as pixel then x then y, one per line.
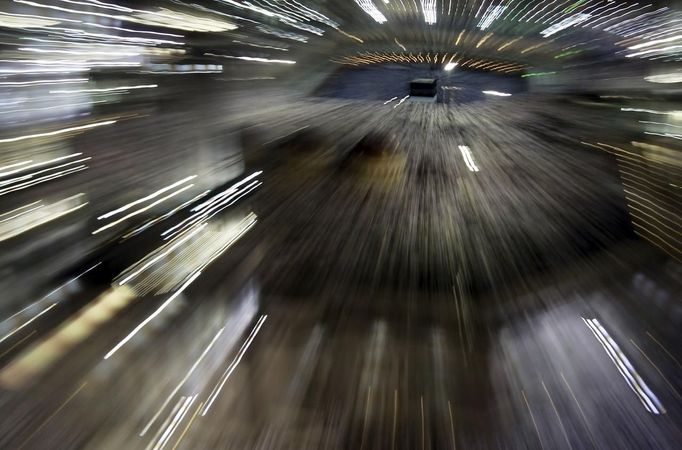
pixel 386 81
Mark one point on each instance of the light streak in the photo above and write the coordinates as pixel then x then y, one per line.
pixel 625 368
pixel 650 111
pixel 57 132
pixel 668 135
pixel 46 214
pixel 537 74
pixel 604 22
pixel 250 58
pixel 118 88
pixel 503 46
pixel 9 166
pixel 566 23
pixel 165 18
pixel 144 199
pixel 350 36
pixel 22 213
pixel 163 440
pixel 97 4
pixel 30 20
pixel 654 42
pixel 152 316
pixel 216 205
pixel 233 364
pixel 27 323
pixel 17 209
pixel 43 82
pixel 75 33
pixel 665 78
pixel 49 294
pixel 78 52
pixel 468 159
pixel 402 100
pixel 490 15
pixel 69 105
pixel 141 210
pixel 260 45
pixel 138 31
pixel 659 123
pixel 655 50
pixel 429 8
pixel 371 10
pixel 185 378
pixel 30 175
pixel 485 38
pixel 165 216
pixel 496 93
pixel 459 37
pixel 39 180
pixel 161 254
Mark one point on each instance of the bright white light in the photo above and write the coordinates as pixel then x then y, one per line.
pixel 260 45
pixel 369 8
pixel 231 189
pixel 158 256
pixel 165 216
pixel 78 52
pixel 97 4
pixel 499 94
pixel 657 41
pixel 566 23
pixel 670 49
pixel 214 205
pixel 177 388
pixel 43 179
pixel 665 78
pixel 492 13
pixel 27 21
pixel 249 58
pixel 181 21
pixel 42 163
pixel 162 17
pixel 31 83
pixel 118 88
pixel 141 210
pixel 653 111
pixel 233 364
pixel 173 425
pixel 669 135
pixel 63 130
pixel 151 317
pixel 32 176
pixel 402 100
pixel 19 208
pixel 22 163
pixel 449 66
pixel 35 217
pixel 468 159
pixel 28 322
pixel 429 8
pixel 148 197
pixel 625 367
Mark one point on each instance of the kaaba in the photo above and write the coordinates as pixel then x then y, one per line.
pixel 423 87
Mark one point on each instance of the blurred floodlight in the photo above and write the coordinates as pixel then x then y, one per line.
pixel 499 94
